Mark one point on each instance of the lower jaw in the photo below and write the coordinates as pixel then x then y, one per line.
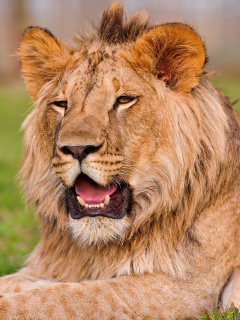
pixel 116 209
pixel 100 230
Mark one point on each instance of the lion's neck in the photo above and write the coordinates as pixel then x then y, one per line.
pixel 59 257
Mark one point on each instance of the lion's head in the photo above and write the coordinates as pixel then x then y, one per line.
pixel 126 132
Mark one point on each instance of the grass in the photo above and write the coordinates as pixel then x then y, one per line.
pixel 231 313
pixel 18 230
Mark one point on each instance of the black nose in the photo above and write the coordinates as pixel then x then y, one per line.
pixel 79 152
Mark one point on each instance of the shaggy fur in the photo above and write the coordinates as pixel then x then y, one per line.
pixel 175 142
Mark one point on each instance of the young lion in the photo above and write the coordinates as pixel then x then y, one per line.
pixel 132 160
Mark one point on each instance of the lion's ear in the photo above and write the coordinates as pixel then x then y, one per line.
pixel 174 52
pixel 43 57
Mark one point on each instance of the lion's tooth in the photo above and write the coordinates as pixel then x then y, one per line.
pixel 81 201
pixel 100 205
pixel 107 200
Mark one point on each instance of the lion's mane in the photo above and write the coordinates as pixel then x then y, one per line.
pixel 188 177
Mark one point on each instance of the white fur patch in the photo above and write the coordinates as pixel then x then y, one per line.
pixel 99 230
pixel 232 292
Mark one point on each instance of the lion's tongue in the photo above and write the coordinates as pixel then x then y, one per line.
pixel 90 191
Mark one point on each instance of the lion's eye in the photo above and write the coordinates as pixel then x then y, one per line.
pixel 61 104
pixel 124 102
pixel 124 99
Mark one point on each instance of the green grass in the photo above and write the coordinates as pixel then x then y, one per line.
pixel 231 313
pixel 18 229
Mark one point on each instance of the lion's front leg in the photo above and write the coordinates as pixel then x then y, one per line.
pixel 130 297
pixel 20 281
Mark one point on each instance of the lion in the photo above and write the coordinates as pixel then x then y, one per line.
pixel 132 160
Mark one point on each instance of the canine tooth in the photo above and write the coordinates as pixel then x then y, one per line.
pixel 81 201
pixel 101 205
pixel 86 205
pixel 107 200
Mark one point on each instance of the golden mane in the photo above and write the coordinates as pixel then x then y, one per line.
pixel 114 28
pixel 166 207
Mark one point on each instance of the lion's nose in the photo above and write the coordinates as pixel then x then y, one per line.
pixel 79 152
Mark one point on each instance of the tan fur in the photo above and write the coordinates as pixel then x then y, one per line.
pixel 177 146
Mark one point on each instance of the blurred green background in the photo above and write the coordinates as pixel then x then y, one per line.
pixel 218 22
pixel 18 229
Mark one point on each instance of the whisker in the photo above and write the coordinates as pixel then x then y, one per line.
pixel 122 176
pixel 124 156
pixel 115 180
pixel 128 168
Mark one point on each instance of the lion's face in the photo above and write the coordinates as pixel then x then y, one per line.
pixel 116 128
pixel 99 127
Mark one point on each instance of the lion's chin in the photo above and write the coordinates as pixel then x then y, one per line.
pixel 99 230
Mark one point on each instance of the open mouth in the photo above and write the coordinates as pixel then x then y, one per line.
pixel 87 198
